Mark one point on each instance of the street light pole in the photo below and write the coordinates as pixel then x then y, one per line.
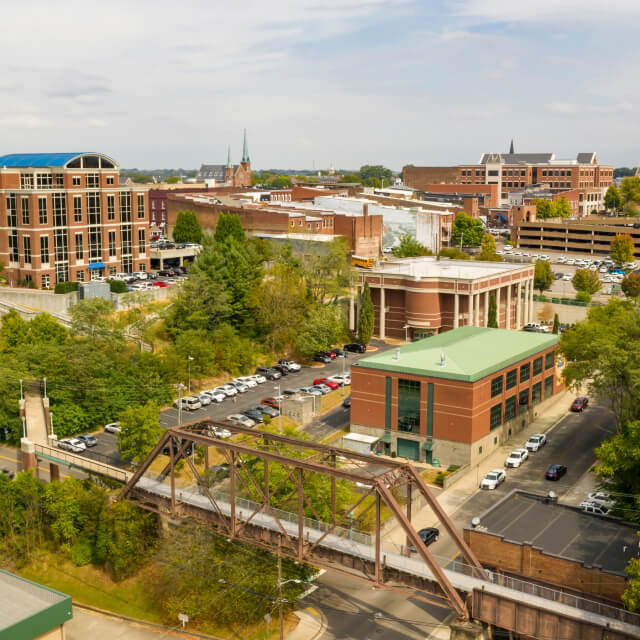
pixel 189 359
pixel 180 388
pixel 280 400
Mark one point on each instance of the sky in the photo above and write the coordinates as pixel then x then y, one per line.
pixel 157 84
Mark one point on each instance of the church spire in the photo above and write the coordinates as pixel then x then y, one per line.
pixel 511 147
pixel 245 148
pixel 229 165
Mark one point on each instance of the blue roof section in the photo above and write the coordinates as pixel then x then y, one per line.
pixel 39 159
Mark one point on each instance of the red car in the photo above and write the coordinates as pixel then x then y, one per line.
pixel 329 383
pixel 579 404
pixel 332 354
pixel 160 283
pixel 271 402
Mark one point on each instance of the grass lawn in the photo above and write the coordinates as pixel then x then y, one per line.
pixel 333 399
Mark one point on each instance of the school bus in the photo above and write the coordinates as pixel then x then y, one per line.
pixel 359 261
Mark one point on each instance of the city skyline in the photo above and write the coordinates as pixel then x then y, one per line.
pixel 358 82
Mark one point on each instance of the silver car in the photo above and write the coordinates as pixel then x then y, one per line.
pixel 239 386
pixel 75 445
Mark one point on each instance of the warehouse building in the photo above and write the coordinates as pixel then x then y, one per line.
pixel 456 396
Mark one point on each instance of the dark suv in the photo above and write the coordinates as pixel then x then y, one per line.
pixel 428 535
pixel 355 347
pixel 555 472
pixel 269 373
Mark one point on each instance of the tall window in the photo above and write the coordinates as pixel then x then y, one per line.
pixel 112 244
pixel 510 408
pixel 537 366
pixel 59 201
pixel 14 252
pixel 43 216
pixel 79 251
pixel 77 208
pixel 93 180
pixel 125 245
pixel 549 360
pixel 142 249
pixel 93 207
pixel 60 247
pixel 408 405
pixel 24 206
pixel 26 181
pixel 44 249
pixel 140 205
pixel 111 207
pixel 496 387
pixel 125 207
pixel 525 372
pixel 496 416
pixel 26 243
pixel 512 378
pixel 536 393
pixel 46 280
pixel 44 180
pixel 12 210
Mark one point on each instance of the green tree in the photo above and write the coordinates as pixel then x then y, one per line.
pixel 562 207
pixel 323 327
pixel 488 249
pixel 453 253
pixel 467 231
pixel 622 249
pixel 631 209
pixel 187 228
pixel 587 281
pixel 173 180
pixel 631 596
pixel 349 177
pixel 409 247
pixel 14 333
pixel 543 276
pixel 630 189
pixel 93 318
pixel 544 209
pixel 492 321
pixel 631 285
pixel 278 182
pixel 556 324
pixel 365 317
pixel 44 329
pixel 375 175
pixel 613 198
pixel 229 229
pixel 140 431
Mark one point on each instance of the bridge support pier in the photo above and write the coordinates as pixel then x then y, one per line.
pixel 54 472
pixel 468 631
pixel 28 455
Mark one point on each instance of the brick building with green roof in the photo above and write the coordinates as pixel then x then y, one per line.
pixel 455 396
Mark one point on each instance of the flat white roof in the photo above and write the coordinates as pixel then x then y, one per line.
pixel 429 267
pixel 359 437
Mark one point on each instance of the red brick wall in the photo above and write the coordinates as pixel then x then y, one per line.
pixel 421 177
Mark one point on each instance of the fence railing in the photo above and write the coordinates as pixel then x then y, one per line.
pixel 81 462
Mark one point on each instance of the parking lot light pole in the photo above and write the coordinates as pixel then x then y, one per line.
pixel 189 359
pixel 280 399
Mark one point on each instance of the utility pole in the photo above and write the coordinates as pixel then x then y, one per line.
pixel 280 603
pixel 180 387
pixel 189 359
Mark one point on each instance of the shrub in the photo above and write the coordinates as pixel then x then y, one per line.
pixel 66 287
pixel 117 286
pixel 583 296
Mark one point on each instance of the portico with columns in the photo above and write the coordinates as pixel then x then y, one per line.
pixel 417 297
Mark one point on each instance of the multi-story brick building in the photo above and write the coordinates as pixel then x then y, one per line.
pixel 65 216
pixel 456 396
pixel 231 175
pixel 511 171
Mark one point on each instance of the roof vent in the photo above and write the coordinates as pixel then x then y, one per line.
pixel 443 359
pixel 397 355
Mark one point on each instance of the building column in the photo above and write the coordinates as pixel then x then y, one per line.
pixel 352 310
pixel 498 305
pixel 531 309
pixel 486 308
pixel 477 313
pixel 456 311
pixel 470 309
pixel 382 314
pixel 508 324
pixel 525 317
pixel 518 305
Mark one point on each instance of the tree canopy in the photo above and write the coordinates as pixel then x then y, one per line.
pixel 560 208
pixel 409 247
pixel 488 249
pixel 543 276
pixel 587 281
pixel 187 228
pixel 630 189
pixel 375 175
pixel 140 431
pixel 365 316
pixel 613 198
pixel 622 249
pixel 467 231
pixel 631 285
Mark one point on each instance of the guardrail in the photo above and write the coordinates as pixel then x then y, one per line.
pixel 80 462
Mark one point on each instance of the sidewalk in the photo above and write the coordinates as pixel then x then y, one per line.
pixel 455 496
pixel 312 625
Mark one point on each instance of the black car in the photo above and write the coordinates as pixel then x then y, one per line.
pixel 339 352
pixel 167 273
pixel 89 440
pixel 555 472
pixel 188 449
pixel 283 369
pixel 347 402
pixel 268 410
pixel 321 357
pixel 428 535
pixel 269 373
pixel 355 347
pixel 558 275
pixel 289 392
pixel 254 414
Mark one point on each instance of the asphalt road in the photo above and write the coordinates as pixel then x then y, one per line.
pixel 571 443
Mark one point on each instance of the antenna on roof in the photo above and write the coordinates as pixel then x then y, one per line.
pixel 443 360
pixel 397 355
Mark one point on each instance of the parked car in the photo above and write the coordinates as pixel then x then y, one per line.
pixel 597 509
pixel 88 439
pixel 160 283
pixel 270 411
pixel 322 357
pixel 555 472
pixel 493 479
pixel 579 404
pixel 291 365
pixel 240 387
pixel 228 390
pixel 254 414
pixel 325 381
pixel 331 353
pixel 603 498
pixel 215 395
pixel 140 275
pixel 346 403
pixel 339 352
pixel 314 391
pixel 355 347
pixel 190 403
pixel 241 419
pixel 219 432
pixel 535 442
pixel 289 392
pixel 205 399
pixel 341 379
pixel 322 388
pixel 272 402
pixel 248 380
pixel 516 458
pixel 284 370
pixel 427 535
pixel 269 373
pixel 75 445
pixel 112 427
pixel 260 379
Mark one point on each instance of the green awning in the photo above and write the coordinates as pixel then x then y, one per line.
pixel 427 446
pixel 386 438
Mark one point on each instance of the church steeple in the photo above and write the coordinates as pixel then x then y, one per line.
pixel 229 165
pixel 511 147
pixel 245 148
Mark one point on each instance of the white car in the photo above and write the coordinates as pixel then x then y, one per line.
pixel 561 260
pixel 216 396
pixel 604 270
pixel 516 458
pixel 239 418
pixel 205 399
pixel 112 427
pixel 571 261
pixel 588 506
pixel 535 442
pixel 227 389
pixel 190 403
pixel 499 253
pixel 75 445
pixel 140 275
pixel 602 498
pixel 493 479
pixel 219 432
pixel 258 378
pixel 291 365
pixel 240 387
pixel 342 380
pixel 250 382
pixel 567 276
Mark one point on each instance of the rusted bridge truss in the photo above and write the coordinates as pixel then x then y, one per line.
pixel 378 478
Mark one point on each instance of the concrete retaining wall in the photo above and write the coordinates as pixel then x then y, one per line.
pixel 39 300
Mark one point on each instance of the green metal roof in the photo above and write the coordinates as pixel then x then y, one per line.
pixel 467 353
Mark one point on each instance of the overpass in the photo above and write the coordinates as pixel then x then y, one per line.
pixel 473 593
